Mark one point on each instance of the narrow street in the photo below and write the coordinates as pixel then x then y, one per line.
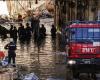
pixel 49 40
pixel 42 58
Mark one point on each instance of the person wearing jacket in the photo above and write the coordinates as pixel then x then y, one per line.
pixel 53 31
pixel 11 52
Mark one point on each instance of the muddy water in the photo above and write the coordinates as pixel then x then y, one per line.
pixel 42 58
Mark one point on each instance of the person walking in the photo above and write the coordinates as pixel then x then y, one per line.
pixel 15 34
pixel 53 32
pixel 11 31
pixel 21 33
pixel 28 31
pixel 42 31
pixel 11 52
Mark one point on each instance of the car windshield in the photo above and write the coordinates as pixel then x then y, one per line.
pixel 85 34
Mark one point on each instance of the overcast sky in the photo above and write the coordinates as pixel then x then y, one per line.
pixel 3 8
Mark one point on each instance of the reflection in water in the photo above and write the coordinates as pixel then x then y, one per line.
pixel 40 58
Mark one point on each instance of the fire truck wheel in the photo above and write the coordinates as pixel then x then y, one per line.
pixel 76 74
pixel 93 76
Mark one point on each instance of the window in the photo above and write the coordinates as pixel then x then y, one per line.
pixel 85 33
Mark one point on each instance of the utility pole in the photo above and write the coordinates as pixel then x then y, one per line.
pixel 30 3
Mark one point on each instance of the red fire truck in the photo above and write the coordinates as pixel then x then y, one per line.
pixel 84 47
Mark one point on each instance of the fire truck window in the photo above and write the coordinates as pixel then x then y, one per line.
pixel 90 33
pixel 73 33
pixel 97 33
pixel 79 33
pixel 85 33
pixel 94 33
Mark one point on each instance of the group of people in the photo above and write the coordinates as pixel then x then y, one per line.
pixel 42 32
pixel 24 34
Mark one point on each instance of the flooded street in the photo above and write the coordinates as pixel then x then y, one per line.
pixel 49 40
pixel 42 57
pixel 46 58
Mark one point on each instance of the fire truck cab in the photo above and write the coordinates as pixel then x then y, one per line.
pixel 84 47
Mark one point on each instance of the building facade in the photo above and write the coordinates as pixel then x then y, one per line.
pixel 71 10
pixel 16 7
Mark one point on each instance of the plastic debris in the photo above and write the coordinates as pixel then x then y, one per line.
pixel 4 62
pixel 54 79
pixel 31 76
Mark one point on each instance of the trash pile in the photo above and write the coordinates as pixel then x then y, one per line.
pixel 8 74
pixel 30 76
pixel 4 62
pixel 54 79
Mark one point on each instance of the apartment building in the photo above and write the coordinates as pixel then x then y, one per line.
pixel 16 7
pixel 69 10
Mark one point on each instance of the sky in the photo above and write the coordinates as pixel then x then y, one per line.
pixel 3 8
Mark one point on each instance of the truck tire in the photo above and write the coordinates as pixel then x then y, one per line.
pixel 75 74
pixel 93 76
